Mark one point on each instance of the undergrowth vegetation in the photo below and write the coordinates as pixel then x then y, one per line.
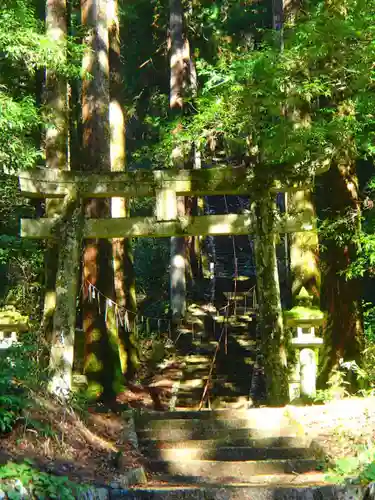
pixel 358 469
pixel 20 372
pixel 21 379
pixel 24 480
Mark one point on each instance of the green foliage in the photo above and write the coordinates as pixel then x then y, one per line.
pixel 20 372
pixel 314 100
pixel 151 260
pixel 18 118
pixel 20 260
pixel 359 468
pixel 16 479
pixel 336 387
pixel 369 322
pixel 25 49
pixel 12 396
pixel 23 40
pixel 26 52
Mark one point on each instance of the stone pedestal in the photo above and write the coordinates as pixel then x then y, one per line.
pixel 306 367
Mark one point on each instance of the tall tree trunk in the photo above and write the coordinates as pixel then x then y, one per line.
pixel 177 55
pixel 101 361
pixel 178 245
pixel 56 146
pixel 56 90
pixel 183 82
pixel 270 313
pixel 122 248
pixel 341 296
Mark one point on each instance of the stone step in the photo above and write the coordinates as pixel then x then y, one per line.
pixel 228 441
pixel 229 284
pixel 235 320
pixel 194 382
pixel 223 386
pixel 204 348
pixel 197 368
pixel 175 434
pixel 265 417
pixel 219 401
pixel 237 296
pixel 227 453
pixel 244 315
pixel 197 359
pixel 290 490
pixel 273 414
pixel 214 425
pixel 231 470
pixel 246 310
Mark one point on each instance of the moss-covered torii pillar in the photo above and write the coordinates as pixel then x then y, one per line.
pixel 67 229
pixel 270 322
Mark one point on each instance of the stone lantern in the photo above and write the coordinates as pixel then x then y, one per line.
pixel 11 324
pixel 303 318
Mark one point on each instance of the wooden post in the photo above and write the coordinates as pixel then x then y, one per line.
pixel 166 210
pixel 178 271
pixel 67 279
pixel 166 205
pixel 197 241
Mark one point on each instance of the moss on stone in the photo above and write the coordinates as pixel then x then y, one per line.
pixel 302 314
pixel 10 317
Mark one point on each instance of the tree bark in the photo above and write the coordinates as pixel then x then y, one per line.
pixel 123 260
pixel 183 82
pixel 270 313
pixel 177 55
pixel 56 96
pixel 56 146
pixel 341 296
pixel 101 361
pixel 178 245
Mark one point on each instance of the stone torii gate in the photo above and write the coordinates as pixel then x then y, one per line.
pixel 165 185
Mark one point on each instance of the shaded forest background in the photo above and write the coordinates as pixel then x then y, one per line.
pixel 253 103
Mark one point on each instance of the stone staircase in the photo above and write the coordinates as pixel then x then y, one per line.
pixel 213 360
pixel 228 450
pixel 256 454
pixel 217 349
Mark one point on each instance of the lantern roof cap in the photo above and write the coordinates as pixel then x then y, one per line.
pixel 304 297
pixel 10 318
pixel 303 313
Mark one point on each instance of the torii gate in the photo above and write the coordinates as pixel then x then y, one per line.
pixel 165 186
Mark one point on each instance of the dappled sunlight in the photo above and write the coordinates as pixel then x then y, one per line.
pixel 81 445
